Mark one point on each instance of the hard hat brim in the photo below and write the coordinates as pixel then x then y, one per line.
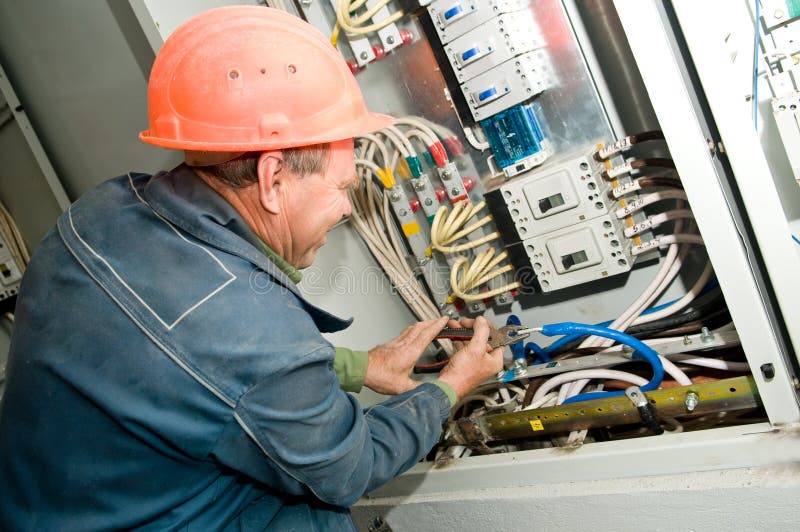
pixel 367 123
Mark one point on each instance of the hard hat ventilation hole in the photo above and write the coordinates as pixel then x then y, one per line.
pixel 292 69
pixel 274 133
pixel 263 70
pixel 233 74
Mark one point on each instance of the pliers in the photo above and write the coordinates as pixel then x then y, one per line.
pixel 503 336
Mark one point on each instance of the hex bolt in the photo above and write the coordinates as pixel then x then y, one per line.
pixel 691 401
pixel 520 368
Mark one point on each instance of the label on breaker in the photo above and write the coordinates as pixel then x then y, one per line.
pixel 615 148
pixel 641 227
pixel 630 208
pixel 644 247
pixel 627 188
pixel 617 171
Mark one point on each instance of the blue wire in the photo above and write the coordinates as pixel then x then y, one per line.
pixel 755 64
pixel 641 351
pixel 797 240
pixel 561 342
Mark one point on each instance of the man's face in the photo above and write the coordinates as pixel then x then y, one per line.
pixel 317 202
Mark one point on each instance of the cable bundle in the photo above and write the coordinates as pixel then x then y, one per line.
pixel 482 270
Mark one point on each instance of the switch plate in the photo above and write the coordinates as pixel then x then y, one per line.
pixel 453 18
pixel 509 84
pixel 493 43
pixel 575 255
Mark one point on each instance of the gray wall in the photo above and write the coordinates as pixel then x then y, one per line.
pixel 78 66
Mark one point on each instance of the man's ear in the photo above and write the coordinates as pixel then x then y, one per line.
pixel 270 180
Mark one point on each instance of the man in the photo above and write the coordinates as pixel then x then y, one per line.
pixel 149 384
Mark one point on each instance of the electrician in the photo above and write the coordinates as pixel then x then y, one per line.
pixel 165 372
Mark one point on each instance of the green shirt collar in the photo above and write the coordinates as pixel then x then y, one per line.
pixel 290 271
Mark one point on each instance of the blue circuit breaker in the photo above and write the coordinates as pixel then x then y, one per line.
pixel 516 139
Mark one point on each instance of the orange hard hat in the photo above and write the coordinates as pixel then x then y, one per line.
pixel 250 78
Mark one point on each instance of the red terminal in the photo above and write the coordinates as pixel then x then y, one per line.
pixel 438 153
pixel 353 66
pixel 406 36
pixel 459 304
pixel 379 52
pixel 469 183
pixel 414 204
pixel 441 194
pixel 454 145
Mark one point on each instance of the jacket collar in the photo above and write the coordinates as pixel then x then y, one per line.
pixel 188 202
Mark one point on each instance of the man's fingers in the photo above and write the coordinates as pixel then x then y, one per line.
pixel 429 329
pixel 480 335
pixel 467 322
pixel 453 324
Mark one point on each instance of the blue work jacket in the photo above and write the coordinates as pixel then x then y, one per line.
pixel 164 374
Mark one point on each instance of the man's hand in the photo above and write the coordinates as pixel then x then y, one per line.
pixel 474 362
pixel 389 367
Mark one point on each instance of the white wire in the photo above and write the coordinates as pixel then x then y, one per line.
pixel 682 303
pixel 421 125
pixel 587 374
pixel 713 363
pixel 648 199
pixel 657 220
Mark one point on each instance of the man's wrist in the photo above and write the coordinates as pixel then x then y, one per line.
pixel 351 368
pixel 448 390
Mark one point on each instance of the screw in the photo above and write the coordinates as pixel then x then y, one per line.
pixel 706 335
pixel 691 401
pixel 475 307
pixel 455 191
pixel 442 306
pixel 428 201
pixel 446 174
pixel 394 196
pixel 500 375
pixel 305 3
pixel 687 340
pixel 501 299
pixel 390 39
pixel 402 212
pixel 419 185
pixel 422 261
